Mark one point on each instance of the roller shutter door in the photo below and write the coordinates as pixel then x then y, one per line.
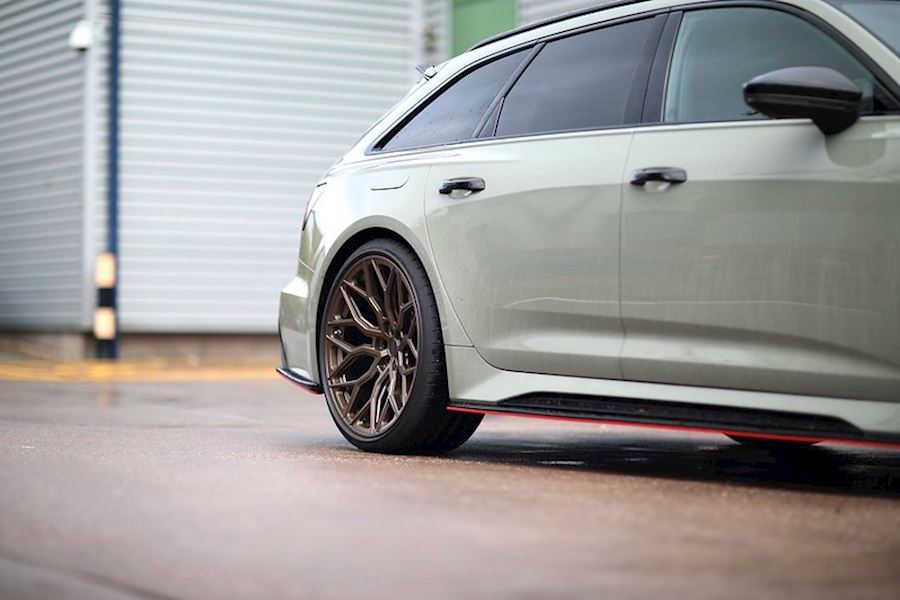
pixel 41 169
pixel 231 111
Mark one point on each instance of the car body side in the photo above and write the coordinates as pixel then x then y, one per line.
pixel 372 194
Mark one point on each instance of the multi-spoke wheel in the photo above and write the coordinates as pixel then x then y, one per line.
pixel 371 344
pixel 381 355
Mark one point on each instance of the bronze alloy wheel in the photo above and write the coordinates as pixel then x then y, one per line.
pixel 371 344
pixel 381 355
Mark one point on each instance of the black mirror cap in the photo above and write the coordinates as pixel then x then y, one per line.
pixel 818 93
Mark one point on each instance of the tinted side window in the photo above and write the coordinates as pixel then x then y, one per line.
pixel 578 82
pixel 454 114
pixel 718 50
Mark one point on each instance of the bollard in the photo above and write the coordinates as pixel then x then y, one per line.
pixel 105 321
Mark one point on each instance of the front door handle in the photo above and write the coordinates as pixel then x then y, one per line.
pixel 468 184
pixel 665 174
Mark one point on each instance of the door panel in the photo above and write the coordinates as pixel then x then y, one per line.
pixel 531 263
pixel 775 267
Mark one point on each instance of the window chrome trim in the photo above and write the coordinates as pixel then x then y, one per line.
pixel 486 141
pixel 742 123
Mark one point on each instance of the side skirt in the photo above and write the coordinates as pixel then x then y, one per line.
pixel 675 416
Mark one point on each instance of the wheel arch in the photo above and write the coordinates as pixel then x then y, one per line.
pixel 340 256
pixel 452 330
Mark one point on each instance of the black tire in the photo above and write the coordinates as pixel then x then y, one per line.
pixel 424 426
pixel 768 444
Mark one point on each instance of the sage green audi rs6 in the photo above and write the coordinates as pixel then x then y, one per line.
pixel 671 213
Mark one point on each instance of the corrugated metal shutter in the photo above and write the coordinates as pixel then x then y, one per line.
pixel 41 169
pixel 98 81
pixel 231 111
pixel 535 10
pixel 437 42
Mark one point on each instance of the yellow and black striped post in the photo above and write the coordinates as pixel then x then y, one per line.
pixel 105 320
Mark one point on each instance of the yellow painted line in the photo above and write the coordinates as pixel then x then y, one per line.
pixel 149 370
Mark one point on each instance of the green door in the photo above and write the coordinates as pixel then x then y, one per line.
pixel 475 20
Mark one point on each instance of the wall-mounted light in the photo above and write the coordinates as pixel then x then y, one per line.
pixel 82 36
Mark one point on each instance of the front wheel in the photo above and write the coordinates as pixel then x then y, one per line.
pixel 381 356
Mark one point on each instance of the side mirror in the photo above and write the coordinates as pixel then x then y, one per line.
pixel 823 95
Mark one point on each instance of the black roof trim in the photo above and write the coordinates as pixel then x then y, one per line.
pixel 556 19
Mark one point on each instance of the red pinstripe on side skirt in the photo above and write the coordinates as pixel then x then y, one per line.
pixel 689 428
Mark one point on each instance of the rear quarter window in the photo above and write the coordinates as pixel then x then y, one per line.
pixel 454 114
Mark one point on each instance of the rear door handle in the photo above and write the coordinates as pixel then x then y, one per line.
pixel 665 174
pixel 468 184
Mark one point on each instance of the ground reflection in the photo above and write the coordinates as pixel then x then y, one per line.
pixel 823 468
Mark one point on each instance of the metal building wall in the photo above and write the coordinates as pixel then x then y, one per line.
pixel 95 156
pixel 535 10
pixel 41 145
pixel 231 111
pixel 437 33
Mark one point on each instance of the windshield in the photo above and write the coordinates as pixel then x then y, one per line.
pixel 881 17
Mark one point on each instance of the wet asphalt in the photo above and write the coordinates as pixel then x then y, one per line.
pixel 244 489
